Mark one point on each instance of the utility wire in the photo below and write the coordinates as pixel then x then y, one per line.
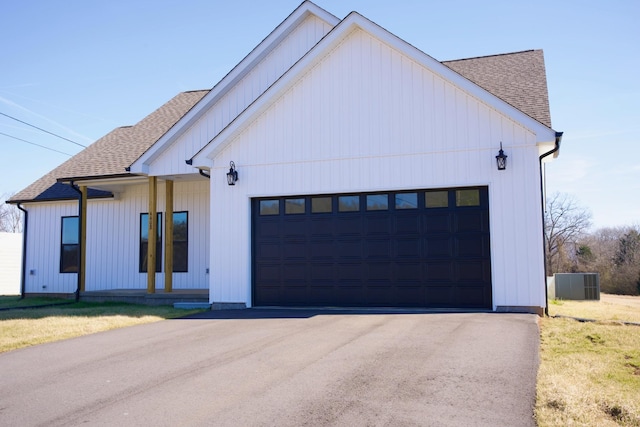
pixel 38 145
pixel 46 131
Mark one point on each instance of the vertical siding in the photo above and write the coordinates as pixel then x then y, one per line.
pixel 272 67
pixel 43 249
pixel 113 230
pixel 368 118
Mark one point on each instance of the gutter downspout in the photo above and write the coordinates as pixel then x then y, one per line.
pixel 542 205
pixel 203 173
pixel 25 229
pixel 76 189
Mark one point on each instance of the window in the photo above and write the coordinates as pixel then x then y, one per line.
pixel 377 202
pixel 321 205
pixel 180 242
pixel 436 199
pixel 270 207
pixel 348 203
pixel 144 242
pixel 468 197
pixel 406 200
pixel 294 206
pixel 70 245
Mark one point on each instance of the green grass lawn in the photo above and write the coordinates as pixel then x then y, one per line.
pixel 590 371
pixel 22 327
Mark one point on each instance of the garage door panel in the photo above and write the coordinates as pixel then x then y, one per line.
pixel 377 272
pixel 377 225
pixel 350 251
pixel 349 272
pixel 439 246
pixel 437 222
pixel 472 246
pixel 406 223
pixel 294 273
pixel 439 271
pixel 321 272
pixel 348 248
pixel 406 248
pixel 269 228
pixel 408 272
pixel 349 224
pixel 377 249
pixel 268 273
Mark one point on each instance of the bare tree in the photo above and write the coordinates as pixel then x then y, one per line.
pixel 10 216
pixel 566 221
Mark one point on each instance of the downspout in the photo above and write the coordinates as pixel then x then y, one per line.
pixel 76 189
pixel 542 204
pixel 25 229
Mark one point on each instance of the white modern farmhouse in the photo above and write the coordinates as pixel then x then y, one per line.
pixel 335 166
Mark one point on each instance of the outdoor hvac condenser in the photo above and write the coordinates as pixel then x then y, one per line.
pixel 577 286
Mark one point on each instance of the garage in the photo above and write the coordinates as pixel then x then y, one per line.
pixel 418 248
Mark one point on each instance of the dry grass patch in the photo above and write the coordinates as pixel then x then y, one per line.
pixel 609 308
pixel 590 371
pixel 26 327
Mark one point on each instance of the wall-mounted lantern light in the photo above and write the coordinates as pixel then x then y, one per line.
pixel 501 159
pixel 232 175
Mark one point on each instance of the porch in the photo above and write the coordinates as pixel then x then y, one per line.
pixel 140 296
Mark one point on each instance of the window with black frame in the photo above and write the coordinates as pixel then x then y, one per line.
pixel 70 245
pixel 180 242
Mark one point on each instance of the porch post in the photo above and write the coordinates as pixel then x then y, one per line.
pixel 151 242
pixel 168 238
pixel 83 238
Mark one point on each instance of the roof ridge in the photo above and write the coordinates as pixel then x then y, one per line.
pixel 491 56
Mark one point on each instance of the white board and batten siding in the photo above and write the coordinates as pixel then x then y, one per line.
pixel 239 96
pixel 113 241
pixel 10 263
pixel 368 118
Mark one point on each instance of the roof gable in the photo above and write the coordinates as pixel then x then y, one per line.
pixel 242 69
pixel 356 21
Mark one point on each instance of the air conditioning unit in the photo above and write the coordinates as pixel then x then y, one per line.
pixel 577 286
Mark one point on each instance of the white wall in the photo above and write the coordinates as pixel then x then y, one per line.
pixel 290 49
pixel 10 263
pixel 113 230
pixel 368 118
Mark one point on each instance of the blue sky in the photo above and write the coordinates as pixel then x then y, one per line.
pixel 80 68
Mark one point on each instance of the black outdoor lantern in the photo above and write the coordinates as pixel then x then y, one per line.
pixel 501 159
pixel 232 175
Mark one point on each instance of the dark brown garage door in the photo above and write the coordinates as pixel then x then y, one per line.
pixel 423 248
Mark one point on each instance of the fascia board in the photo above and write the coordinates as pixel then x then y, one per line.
pixel 332 39
pixel 254 57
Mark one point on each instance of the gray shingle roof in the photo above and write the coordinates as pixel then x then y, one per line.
pixel 517 78
pixel 112 153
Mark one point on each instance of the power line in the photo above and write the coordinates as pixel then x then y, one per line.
pixel 46 131
pixel 38 145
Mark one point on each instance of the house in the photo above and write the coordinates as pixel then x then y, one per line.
pixel 335 165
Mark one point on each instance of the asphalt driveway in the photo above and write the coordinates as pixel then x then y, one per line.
pixel 282 368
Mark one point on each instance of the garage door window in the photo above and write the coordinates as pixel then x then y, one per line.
pixel 470 197
pixel 349 203
pixel 436 199
pixel 407 201
pixel 270 207
pixel 294 206
pixel 321 205
pixel 377 202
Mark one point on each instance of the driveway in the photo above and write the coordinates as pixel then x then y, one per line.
pixel 282 368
